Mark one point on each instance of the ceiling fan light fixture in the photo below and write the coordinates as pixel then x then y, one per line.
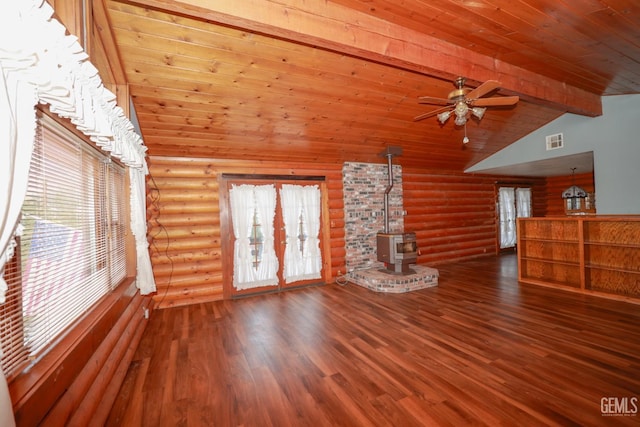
pixel 462 111
pixel 466 103
pixel 478 112
pixel 460 120
pixel 443 117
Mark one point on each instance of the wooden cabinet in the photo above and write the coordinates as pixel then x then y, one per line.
pixel 593 254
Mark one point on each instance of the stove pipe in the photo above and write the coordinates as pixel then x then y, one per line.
pixel 389 153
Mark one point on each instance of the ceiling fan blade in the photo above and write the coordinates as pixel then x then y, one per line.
pixel 432 100
pixel 483 89
pixel 495 101
pixel 430 113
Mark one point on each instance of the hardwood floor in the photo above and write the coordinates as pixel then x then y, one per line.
pixel 479 349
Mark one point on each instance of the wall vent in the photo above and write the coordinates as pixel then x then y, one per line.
pixel 554 141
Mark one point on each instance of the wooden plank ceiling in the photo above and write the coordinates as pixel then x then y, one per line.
pixel 335 81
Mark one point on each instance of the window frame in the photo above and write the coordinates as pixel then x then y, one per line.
pixel 81 332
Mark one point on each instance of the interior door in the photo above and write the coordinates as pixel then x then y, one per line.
pixel 275 241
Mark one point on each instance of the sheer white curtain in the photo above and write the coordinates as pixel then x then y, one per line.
pixel 523 202
pixel 17 124
pixel 145 280
pixel 311 214
pixel 513 203
pixel 301 206
pixel 244 205
pixel 507 206
pixel 17 131
pixel 266 199
pixel 242 211
pixel 291 202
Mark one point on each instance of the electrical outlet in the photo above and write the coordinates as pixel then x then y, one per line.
pixel 146 313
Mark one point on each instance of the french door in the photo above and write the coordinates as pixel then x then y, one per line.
pixel 512 203
pixel 275 235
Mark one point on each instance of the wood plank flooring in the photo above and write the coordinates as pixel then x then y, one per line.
pixel 479 349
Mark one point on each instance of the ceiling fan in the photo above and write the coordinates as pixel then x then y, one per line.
pixel 463 102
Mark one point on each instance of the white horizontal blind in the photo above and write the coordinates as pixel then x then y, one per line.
pixel 72 251
pixel 117 225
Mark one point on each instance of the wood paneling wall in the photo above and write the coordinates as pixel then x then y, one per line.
pixel 183 213
pixel 454 215
pixel 554 186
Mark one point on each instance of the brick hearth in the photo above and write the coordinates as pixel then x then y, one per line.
pixel 379 281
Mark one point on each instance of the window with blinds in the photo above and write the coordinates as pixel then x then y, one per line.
pixel 72 249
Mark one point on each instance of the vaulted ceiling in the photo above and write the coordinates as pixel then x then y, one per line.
pixel 339 80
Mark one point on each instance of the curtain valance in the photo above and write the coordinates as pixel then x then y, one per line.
pixel 41 63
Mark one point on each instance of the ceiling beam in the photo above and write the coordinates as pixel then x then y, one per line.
pixel 338 28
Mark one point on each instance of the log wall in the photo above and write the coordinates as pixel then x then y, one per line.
pixel 454 215
pixel 78 380
pixel 184 222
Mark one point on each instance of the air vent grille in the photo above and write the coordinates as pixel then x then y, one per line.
pixel 554 141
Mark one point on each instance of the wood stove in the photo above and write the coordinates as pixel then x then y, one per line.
pixel 397 251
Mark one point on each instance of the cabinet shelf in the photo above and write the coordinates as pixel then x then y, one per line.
pixel 594 254
pixel 615 244
pixel 551 283
pixel 539 239
pixel 549 261
pixel 612 268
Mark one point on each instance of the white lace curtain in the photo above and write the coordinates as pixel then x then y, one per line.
pixel 302 257
pixel 144 280
pixel 507 217
pixel 513 203
pixel 248 201
pixel 39 63
pixel 523 202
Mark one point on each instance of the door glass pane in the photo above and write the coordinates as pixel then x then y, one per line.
pixel 256 241
pixel 302 235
